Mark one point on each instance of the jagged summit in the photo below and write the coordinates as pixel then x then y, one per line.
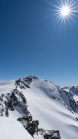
pixel 41 107
pixel 52 90
pixel 73 89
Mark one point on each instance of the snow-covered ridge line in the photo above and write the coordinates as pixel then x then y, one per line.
pixel 15 100
pixel 54 107
pixel 63 94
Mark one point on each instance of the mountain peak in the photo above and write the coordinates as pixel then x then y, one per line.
pixel 41 107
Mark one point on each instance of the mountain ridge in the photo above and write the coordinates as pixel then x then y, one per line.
pixel 47 102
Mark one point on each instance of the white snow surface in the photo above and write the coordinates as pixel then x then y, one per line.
pixel 11 129
pixel 45 105
pixel 6 86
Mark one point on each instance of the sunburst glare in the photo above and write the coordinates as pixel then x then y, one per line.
pixel 65 10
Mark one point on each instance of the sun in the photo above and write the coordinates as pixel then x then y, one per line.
pixel 65 11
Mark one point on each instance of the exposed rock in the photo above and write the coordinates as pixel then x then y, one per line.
pixel 50 134
pixel 32 128
pixel 16 98
pixel 28 118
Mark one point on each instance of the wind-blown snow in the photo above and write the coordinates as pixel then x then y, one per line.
pixel 6 86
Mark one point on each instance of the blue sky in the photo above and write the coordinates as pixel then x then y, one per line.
pixel 31 43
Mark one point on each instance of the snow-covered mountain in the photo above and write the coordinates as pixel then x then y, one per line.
pixel 30 105
pixel 73 91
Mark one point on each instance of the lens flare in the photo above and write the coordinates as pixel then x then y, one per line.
pixel 64 10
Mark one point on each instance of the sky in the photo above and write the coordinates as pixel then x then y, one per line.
pixel 33 43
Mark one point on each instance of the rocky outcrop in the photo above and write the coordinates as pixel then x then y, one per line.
pixel 69 101
pixel 9 102
pixel 49 134
pixel 25 82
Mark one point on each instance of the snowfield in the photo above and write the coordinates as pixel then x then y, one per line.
pixel 11 129
pixel 48 103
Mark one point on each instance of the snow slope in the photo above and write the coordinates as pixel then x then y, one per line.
pixel 46 106
pixel 11 129
pixel 6 86
pixel 47 103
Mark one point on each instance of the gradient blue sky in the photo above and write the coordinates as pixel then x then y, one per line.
pixel 31 44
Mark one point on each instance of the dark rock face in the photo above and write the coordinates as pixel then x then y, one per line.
pixel 72 105
pixel 32 127
pixel 11 100
pixel 50 134
pixel 26 118
pixel 17 99
pixel 25 82
pixel 71 91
